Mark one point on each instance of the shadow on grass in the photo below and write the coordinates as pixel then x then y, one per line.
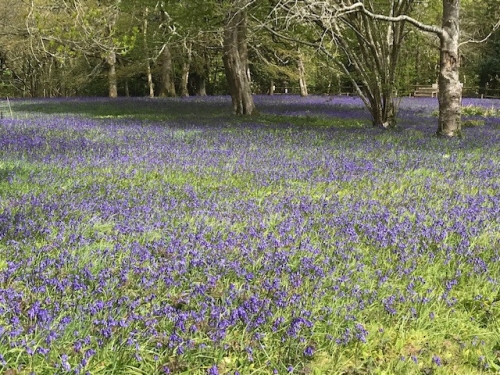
pixel 193 111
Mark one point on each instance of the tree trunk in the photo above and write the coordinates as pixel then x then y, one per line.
pixel 450 89
pixel 112 80
pixel 167 83
pixel 146 51
pixel 203 77
pixel 235 58
pixel 302 75
pixel 272 87
pixel 186 65
pixel 150 79
pixel 185 79
pixel 242 43
pixel 201 85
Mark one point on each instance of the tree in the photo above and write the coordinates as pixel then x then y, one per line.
pixel 341 29
pixel 450 88
pixel 235 57
pixel 279 61
pixel 167 86
pixel 91 28
pixel 188 33
pixel 146 51
pixel 13 47
pixel 487 64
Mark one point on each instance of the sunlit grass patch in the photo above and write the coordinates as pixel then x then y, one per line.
pixel 472 123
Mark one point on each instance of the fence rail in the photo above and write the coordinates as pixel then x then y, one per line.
pixel 467 91
pixel 415 90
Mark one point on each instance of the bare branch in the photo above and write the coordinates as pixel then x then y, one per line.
pixel 475 41
pixel 401 18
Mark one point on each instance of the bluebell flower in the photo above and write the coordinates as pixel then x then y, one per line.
pixel 309 351
pixel 213 370
pixel 436 360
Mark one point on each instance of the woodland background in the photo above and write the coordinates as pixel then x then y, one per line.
pixel 175 48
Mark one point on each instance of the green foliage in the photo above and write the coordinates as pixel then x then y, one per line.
pixel 127 42
pixel 472 123
pixel 471 110
pixel 63 56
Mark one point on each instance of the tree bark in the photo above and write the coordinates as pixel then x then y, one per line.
pixel 201 85
pixel 450 89
pixel 203 77
pixel 112 80
pixel 146 51
pixel 150 79
pixel 167 83
pixel 186 65
pixel 235 58
pixel 302 75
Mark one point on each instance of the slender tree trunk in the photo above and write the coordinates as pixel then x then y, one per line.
pixel 417 64
pixel 112 80
pixel 302 75
pixel 271 87
pixel 146 51
pixel 450 89
pixel 185 79
pixel 167 81
pixel 150 80
pixel 204 76
pixel 235 59
pixel 201 85
pixel 186 65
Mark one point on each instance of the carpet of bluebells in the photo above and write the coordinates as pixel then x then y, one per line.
pixel 180 239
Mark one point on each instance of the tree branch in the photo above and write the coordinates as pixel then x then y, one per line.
pixel 402 18
pixel 495 27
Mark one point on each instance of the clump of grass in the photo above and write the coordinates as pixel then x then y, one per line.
pixel 472 110
pixel 472 123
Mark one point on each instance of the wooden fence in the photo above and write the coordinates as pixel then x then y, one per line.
pixel 414 91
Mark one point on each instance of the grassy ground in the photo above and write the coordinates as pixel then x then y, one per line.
pixel 146 236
